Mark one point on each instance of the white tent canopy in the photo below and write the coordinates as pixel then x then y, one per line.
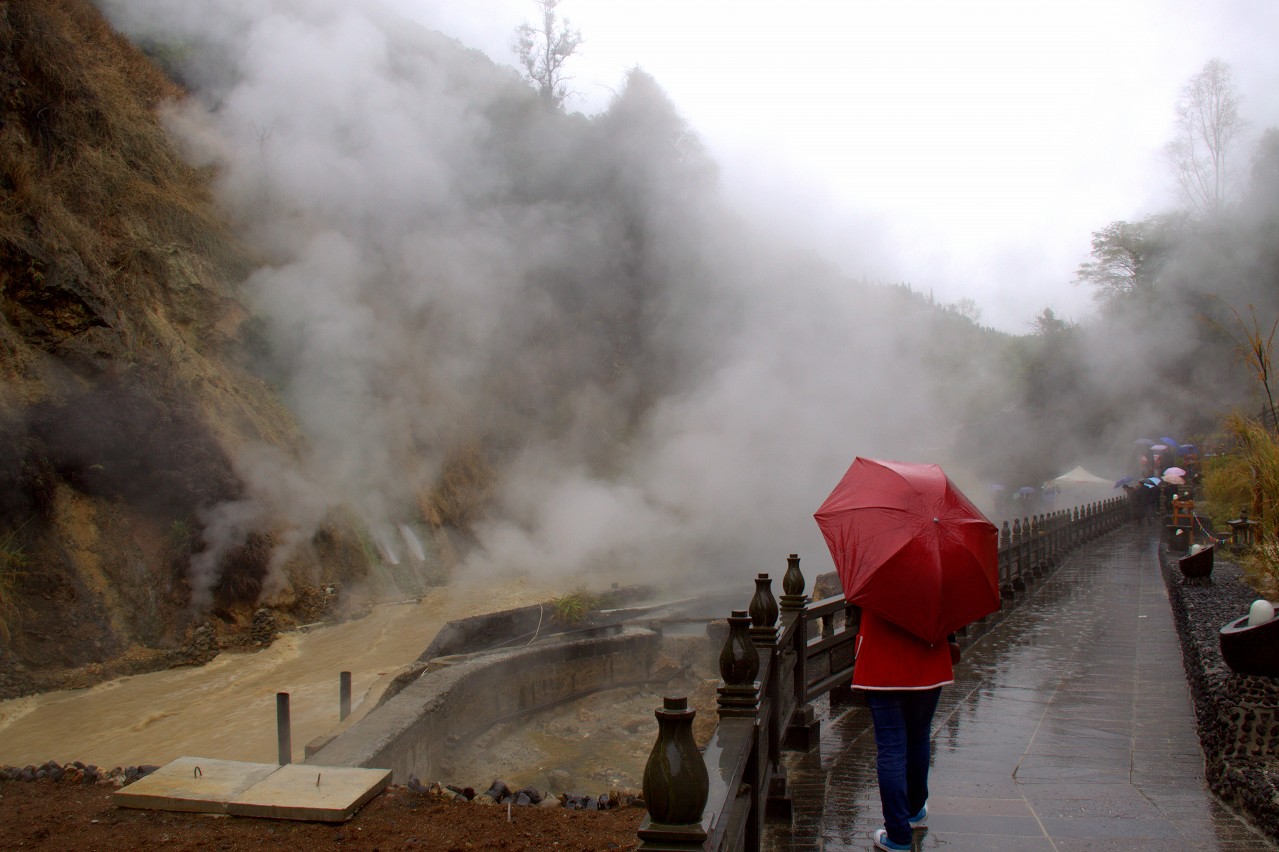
pixel 1079 476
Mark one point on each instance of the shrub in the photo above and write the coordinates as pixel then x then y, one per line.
pixel 573 607
pixel 1260 455
pixel 1226 487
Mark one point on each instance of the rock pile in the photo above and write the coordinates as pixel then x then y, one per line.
pixel 1238 715
pixel 200 648
pixel 76 773
pixel 499 793
pixel 264 628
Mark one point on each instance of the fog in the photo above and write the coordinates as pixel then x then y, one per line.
pixel 974 145
pixel 452 273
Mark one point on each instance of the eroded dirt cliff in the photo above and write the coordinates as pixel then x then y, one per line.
pixel 126 385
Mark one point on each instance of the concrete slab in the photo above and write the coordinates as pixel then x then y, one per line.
pixel 198 784
pixel 306 792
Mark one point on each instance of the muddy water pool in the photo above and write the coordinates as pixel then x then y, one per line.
pixel 226 709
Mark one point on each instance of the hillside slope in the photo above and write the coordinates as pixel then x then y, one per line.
pixel 123 393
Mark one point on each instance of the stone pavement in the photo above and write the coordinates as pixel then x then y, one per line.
pixel 1069 726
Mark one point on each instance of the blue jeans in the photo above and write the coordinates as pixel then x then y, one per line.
pixel 903 721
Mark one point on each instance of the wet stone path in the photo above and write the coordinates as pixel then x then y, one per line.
pixel 1069 726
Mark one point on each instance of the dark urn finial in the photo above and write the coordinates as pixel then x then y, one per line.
pixel 739 660
pixel 793 584
pixel 763 606
pixel 676 784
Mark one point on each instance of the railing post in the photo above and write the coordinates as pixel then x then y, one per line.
pixel 803 731
pixel 844 694
pixel 1037 557
pixel 1005 536
pixel 739 666
pixel 1045 549
pixel 1013 552
pixel 1050 540
pixel 764 611
pixel 676 783
pixel 1027 560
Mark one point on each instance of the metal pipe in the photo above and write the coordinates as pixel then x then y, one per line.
pixel 344 695
pixel 282 728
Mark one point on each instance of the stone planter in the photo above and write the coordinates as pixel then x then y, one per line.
pixel 1196 569
pixel 1177 538
pixel 1251 650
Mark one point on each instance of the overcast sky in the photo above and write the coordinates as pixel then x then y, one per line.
pixel 968 148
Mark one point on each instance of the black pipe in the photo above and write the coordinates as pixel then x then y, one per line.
pixel 282 728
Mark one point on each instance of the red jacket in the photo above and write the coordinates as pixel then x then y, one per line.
pixel 890 658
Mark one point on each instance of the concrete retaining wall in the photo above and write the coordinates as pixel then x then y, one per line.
pixel 459 701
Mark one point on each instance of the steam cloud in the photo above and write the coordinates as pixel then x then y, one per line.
pixel 448 266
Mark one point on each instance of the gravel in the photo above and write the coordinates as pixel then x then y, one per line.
pixel 1238 715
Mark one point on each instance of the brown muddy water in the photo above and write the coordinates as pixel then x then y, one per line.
pixel 226 709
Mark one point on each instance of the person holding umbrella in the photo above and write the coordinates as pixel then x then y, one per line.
pixel 921 561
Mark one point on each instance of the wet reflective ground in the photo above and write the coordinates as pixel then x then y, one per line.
pixel 1069 727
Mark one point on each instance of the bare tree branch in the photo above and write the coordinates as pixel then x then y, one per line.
pixel 544 49
pixel 1208 123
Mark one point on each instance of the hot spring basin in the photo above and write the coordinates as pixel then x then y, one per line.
pixel 1251 650
pixel 1197 566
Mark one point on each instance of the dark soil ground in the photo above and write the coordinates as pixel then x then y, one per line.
pixel 59 815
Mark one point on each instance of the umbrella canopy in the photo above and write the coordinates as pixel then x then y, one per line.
pixel 1158 447
pixel 1152 480
pixel 1173 479
pixel 1124 480
pixel 1174 471
pixel 1172 442
pixel 910 547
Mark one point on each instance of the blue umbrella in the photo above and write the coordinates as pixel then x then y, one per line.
pixel 1026 489
pixel 1122 481
pixel 1153 480
pixel 1171 442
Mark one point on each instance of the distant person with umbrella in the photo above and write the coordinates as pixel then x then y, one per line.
pixel 1148 496
pixel 921 561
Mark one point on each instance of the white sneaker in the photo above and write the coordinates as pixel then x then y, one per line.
pixel 880 836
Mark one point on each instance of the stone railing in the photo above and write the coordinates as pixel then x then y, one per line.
pixel 776 661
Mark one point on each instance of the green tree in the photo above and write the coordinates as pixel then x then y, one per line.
pixel 1208 124
pixel 1127 258
pixel 543 50
pixel 1048 324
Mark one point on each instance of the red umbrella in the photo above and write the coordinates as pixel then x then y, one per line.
pixel 911 548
